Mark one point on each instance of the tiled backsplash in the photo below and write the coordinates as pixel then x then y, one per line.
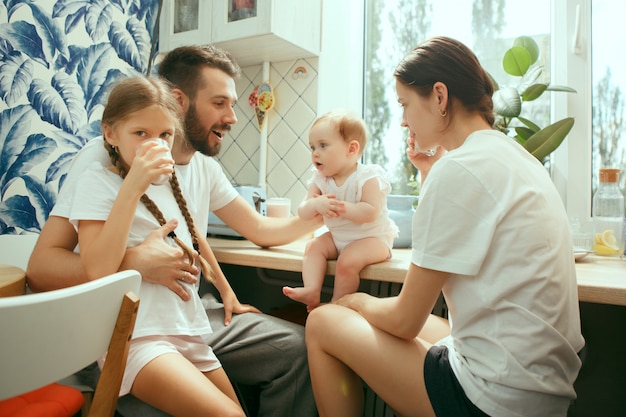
pixel 288 154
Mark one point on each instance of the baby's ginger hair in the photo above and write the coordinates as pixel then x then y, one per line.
pixel 349 125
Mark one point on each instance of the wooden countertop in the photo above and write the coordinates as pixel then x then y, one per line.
pixel 600 280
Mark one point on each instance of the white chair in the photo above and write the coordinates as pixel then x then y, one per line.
pixel 16 249
pixel 48 336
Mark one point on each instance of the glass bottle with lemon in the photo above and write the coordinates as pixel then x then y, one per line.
pixel 608 215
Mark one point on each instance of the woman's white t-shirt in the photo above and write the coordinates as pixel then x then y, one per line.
pixel 491 217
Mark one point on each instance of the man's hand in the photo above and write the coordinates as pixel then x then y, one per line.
pixel 160 263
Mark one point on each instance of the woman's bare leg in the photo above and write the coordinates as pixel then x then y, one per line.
pixel 173 384
pixel 317 252
pixel 344 348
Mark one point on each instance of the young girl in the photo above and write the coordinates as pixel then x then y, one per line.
pixel 352 199
pixel 169 364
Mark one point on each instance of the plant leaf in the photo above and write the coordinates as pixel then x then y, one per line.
pixel 52 35
pixel 24 37
pixel 529 124
pixel 516 61
pixel 16 73
pixel 37 148
pixel 98 19
pixel 42 197
pixel 92 64
pixel 15 123
pixel 507 102
pixel 131 43
pixel 68 7
pixel 544 142
pixel 496 86
pixel 561 88
pixel 18 211
pixel 59 166
pixel 530 45
pixel 534 91
pixel 523 133
pixel 61 104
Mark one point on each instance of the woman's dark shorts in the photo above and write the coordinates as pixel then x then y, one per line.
pixel 444 391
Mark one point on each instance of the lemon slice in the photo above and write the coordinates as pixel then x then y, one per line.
pixel 608 239
pixel 604 250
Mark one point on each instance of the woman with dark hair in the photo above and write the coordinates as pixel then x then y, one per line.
pixel 491 233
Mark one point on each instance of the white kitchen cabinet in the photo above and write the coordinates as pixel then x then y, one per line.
pixel 184 22
pixel 263 30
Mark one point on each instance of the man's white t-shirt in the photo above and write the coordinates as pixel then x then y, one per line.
pixel 491 217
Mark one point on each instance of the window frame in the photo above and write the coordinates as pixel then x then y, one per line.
pixel 341 84
pixel 571 66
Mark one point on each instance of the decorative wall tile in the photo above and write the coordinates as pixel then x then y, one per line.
pixel 288 160
pixel 298 159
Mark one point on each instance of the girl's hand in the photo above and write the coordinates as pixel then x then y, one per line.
pixel 232 305
pixel 149 164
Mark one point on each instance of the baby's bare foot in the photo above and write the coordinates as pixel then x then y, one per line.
pixel 303 295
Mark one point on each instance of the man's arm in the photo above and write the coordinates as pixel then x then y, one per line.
pixel 54 265
pixel 264 231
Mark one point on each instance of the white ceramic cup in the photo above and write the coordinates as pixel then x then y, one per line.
pixel 163 178
pixel 278 207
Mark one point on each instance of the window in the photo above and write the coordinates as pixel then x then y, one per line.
pixel 609 86
pixel 578 49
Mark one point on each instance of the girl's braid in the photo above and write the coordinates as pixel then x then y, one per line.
pixel 156 212
pixel 182 205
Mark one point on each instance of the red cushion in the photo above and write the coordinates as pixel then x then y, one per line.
pixel 54 400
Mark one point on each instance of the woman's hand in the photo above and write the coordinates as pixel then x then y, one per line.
pixel 353 301
pixel 423 161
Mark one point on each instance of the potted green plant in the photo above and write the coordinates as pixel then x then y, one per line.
pixel 521 61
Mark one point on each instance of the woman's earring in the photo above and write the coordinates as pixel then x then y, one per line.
pixel 443 113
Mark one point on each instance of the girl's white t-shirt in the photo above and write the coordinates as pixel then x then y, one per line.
pixel 205 188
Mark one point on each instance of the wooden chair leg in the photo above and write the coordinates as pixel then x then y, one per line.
pixel 107 391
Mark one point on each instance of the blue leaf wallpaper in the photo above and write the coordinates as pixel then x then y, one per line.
pixel 57 59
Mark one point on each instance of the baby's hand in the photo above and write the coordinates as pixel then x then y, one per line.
pixel 328 206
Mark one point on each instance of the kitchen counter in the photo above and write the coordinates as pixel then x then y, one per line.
pixel 600 280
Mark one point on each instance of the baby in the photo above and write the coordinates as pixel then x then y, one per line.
pixel 352 199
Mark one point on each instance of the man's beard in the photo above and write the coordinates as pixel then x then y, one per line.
pixel 197 137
